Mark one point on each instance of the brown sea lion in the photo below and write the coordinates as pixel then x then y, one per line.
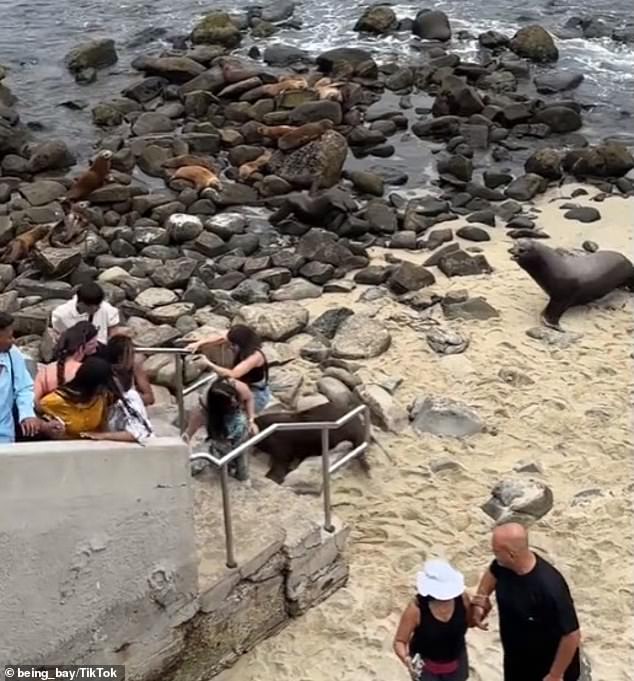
pixel 304 134
pixel 571 280
pixel 247 169
pixel 275 89
pixel 199 176
pixel 20 247
pixel 274 132
pixel 94 178
pixel 188 160
pixel 327 89
pixel 287 447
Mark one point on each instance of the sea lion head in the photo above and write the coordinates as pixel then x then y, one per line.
pixel 105 154
pixel 526 251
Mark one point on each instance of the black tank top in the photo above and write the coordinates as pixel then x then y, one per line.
pixel 439 641
pixel 257 374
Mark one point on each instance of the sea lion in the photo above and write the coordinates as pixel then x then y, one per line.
pixel 247 169
pixel 571 280
pixel 94 178
pixel 20 247
pixel 72 226
pixel 327 89
pixel 188 160
pixel 324 209
pixel 275 89
pixel 274 132
pixel 289 447
pixel 199 176
pixel 304 134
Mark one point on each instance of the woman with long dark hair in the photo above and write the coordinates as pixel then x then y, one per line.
pixel 249 364
pixel 230 421
pixel 84 406
pixel 72 348
pixel 131 375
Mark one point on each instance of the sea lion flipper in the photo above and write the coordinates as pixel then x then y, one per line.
pixel 552 313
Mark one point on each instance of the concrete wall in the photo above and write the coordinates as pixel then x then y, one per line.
pixel 98 559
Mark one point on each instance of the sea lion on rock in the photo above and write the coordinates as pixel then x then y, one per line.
pixel 274 132
pixel 188 160
pixel 94 178
pixel 274 89
pixel 327 89
pixel 304 134
pixel 20 248
pixel 288 447
pixel 571 280
pixel 247 169
pixel 200 177
pixel 324 209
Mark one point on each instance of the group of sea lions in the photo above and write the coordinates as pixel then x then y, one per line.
pixel 71 229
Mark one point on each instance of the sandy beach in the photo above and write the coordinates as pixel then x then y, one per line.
pixel 568 412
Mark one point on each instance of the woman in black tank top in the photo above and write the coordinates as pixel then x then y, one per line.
pixel 431 637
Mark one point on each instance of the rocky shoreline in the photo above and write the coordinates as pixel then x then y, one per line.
pixel 179 258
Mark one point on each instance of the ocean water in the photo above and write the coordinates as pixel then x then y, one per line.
pixel 36 34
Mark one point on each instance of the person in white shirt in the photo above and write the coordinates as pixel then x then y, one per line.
pixel 88 305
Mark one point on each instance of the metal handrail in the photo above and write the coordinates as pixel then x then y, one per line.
pixel 327 469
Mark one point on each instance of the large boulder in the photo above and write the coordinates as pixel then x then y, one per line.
pixel 444 417
pixel 386 412
pixel 545 162
pixel 360 337
pixel 217 28
pixel 457 98
pixel 378 19
pixel 535 43
pixel 432 25
pixel 53 155
pixel 274 321
pixel 602 160
pixel 348 59
pixel 520 500
pixel 559 119
pixel 174 69
pixel 558 81
pixel 321 160
pixel 95 54
pixel 525 187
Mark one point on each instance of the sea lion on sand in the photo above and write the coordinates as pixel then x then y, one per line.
pixel 199 176
pixel 94 178
pixel 288 447
pixel 304 134
pixel 20 248
pixel 571 280
pixel 321 210
pixel 247 169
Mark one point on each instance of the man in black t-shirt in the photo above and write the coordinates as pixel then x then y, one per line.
pixel 538 623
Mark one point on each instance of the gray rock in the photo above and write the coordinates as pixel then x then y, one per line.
pixel 446 341
pixel 560 119
pixel 520 500
pixel 553 337
pixel 95 54
pixel 361 337
pixel 337 392
pixel 173 69
pixel 535 43
pixel 328 322
pixel 284 55
pixel 444 417
pixel 151 123
pixel 472 308
pixel 525 187
pixel 386 412
pixel 182 227
pixel 377 19
pixel 217 28
pixel 275 321
pixel 583 214
pixel 409 277
pixel 458 263
pixel 42 192
pixel 296 289
pixel 175 273
pixel 54 155
pixel 307 478
pixel 56 262
pixel 210 245
pixel 473 233
pixel 317 272
pixel 274 277
pixel 286 384
pixel 170 314
pixel 156 297
pixel 432 25
pixel 559 81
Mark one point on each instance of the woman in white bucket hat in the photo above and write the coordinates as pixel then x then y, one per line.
pixel 431 636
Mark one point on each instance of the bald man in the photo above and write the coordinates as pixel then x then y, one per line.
pixel 538 623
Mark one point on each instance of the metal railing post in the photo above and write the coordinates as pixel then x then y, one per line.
pixel 325 467
pixel 179 380
pixel 226 508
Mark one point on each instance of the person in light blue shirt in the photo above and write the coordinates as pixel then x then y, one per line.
pixel 16 387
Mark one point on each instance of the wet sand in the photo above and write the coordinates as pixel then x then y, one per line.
pixel 572 417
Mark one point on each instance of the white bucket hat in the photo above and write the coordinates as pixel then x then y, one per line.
pixel 439 580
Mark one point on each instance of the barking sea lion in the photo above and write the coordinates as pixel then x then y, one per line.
pixel 94 178
pixel 571 280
